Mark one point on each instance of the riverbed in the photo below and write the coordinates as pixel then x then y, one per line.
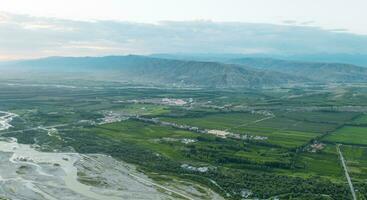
pixel 29 174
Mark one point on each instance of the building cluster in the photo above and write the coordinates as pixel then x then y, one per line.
pixel 196 169
pixel 315 147
pixel 163 101
pixel 182 140
pixel 217 133
pixel 262 112
pixel 111 117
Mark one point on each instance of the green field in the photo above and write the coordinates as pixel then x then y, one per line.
pixel 362 120
pixel 356 158
pixel 349 135
pixel 215 121
pixel 282 165
pixel 146 135
pixel 280 131
pixel 283 123
pixel 325 164
pixel 290 138
pixel 323 117
pixel 142 109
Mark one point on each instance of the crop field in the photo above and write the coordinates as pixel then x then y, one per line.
pixel 349 135
pixel 290 139
pixel 362 120
pixel 280 131
pixel 142 109
pixel 356 158
pixel 284 147
pixel 357 161
pixel 324 117
pixel 325 163
pixel 282 123
pixel 226 121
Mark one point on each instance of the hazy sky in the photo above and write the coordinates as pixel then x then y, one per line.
pixel 341 14
pixel 38 28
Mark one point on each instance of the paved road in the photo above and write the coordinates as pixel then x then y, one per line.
pixel 346 172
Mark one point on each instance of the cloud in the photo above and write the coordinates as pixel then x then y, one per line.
pixel 24 36
pixel 292 22
pixel 3 18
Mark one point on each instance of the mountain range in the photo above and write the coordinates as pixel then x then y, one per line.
pixel 232 73
pixel 315 71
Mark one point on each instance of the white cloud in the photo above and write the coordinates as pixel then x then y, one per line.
pixel 3 17
pixel 330 14
pixel 96 46
pixel 46 26
pixel 23 36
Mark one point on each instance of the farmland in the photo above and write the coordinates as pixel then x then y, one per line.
pixel 273 146
pixel 349 135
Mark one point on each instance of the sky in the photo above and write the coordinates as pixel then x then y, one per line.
pixel 340 14
pixel 53 27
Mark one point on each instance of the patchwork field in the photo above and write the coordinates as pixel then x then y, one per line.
pixel 290 139
pixel 324 117
pixel 362 120
pixel 282 147
pixel 356 158
pixel 142 109
pixel 325 163
pixel 349 135
pixel 226 121
pixel 279 131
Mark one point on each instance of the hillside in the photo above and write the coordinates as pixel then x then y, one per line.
pixel 325 72
pixel 146 70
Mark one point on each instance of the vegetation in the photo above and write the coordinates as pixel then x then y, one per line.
pixel 293 157
pixel 349 135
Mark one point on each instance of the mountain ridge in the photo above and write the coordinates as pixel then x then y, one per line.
pixel 316 71
pixel 143 69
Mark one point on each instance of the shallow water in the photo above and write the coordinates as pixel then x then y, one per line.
pixel 43 175
pixel 5 119
pixel 26 173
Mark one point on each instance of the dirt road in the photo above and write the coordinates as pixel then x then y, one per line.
pixel 342 160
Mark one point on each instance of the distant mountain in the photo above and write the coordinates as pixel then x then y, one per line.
pixel 147 70
pixel 201 57
pixel 354 59
pixel 316 71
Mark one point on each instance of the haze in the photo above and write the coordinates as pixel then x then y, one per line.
pixel 183 99
pixel 327 13
pixel 78 28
